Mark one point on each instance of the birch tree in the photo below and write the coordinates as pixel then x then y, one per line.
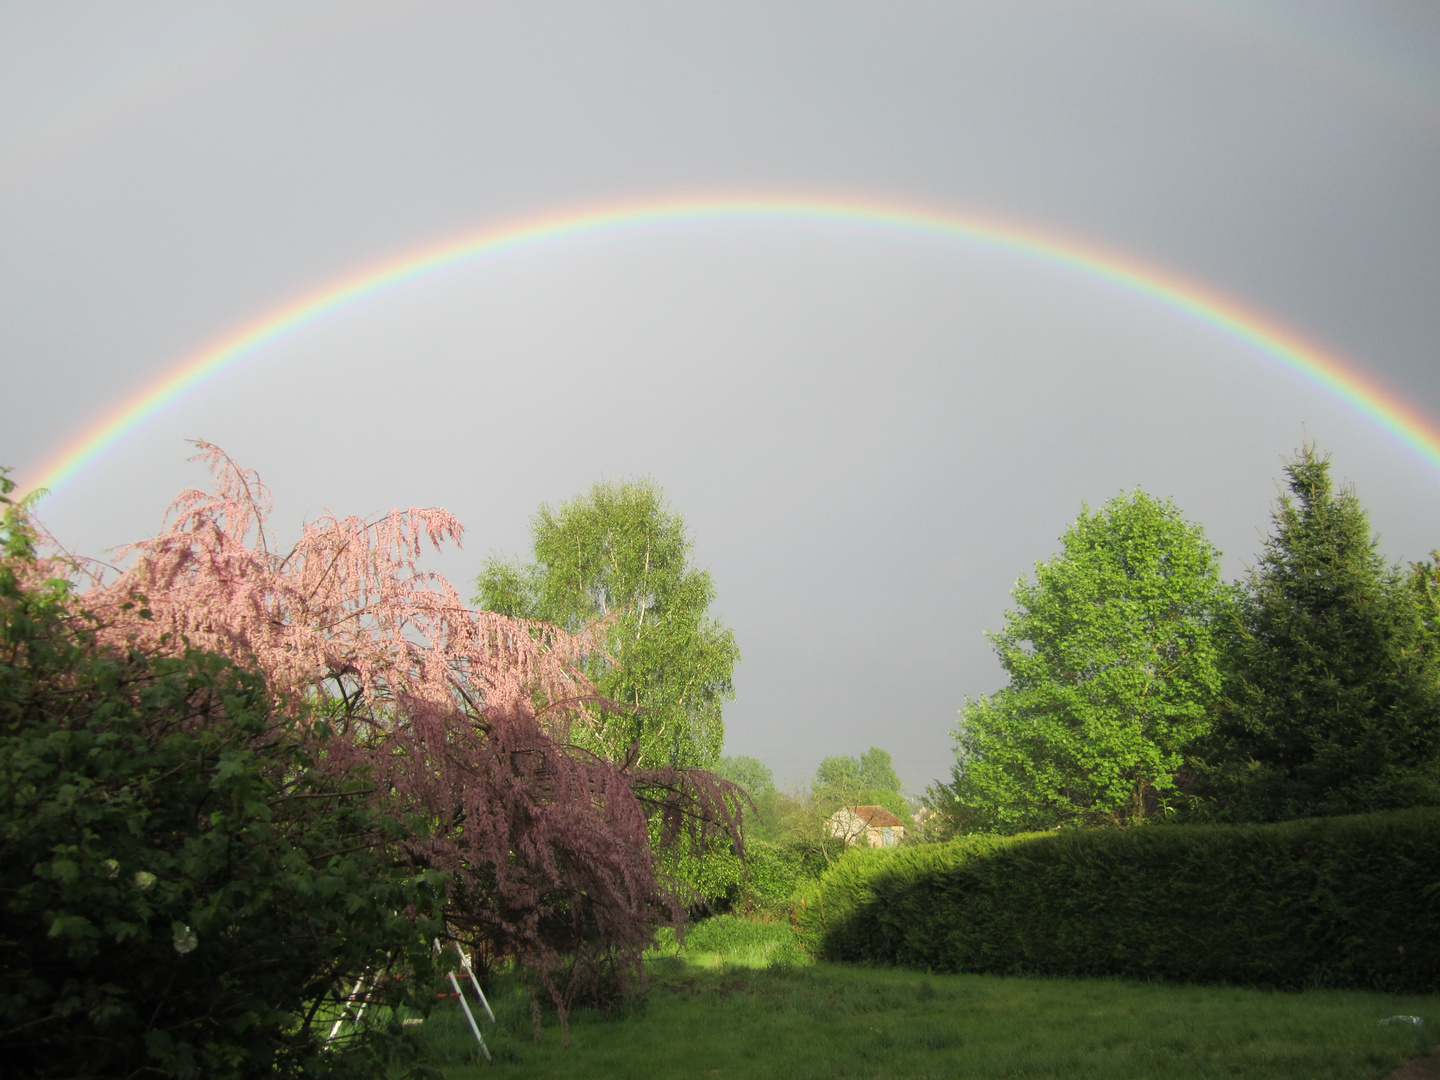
pixel 615 562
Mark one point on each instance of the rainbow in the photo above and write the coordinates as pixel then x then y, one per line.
pixel 1279 344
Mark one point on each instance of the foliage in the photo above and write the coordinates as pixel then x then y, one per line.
pixel 463 718
pixel 182 890
pixel 734 941
pixel 616 562
pixel 764 878
pixel 872 771
pixel 759 883
pixel 794 824
pixel 1332 697
pixel 1424 582
pixel 943 817
pixel 826 911
pixel 1335 902
pixel 771 876
pixel 869 780
pixel 827 1020
pixel 1113 667
pixel 764 806
pixel 750 773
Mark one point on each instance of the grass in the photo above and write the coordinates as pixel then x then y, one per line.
pixel 729 941
pixel 711 1011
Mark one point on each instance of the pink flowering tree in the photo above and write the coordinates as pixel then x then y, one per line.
pixel 461 717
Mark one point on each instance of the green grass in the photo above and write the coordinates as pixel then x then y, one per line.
pixel 728 940
pixel 706 1015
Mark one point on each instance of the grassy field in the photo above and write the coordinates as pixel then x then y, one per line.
pixel 711 1011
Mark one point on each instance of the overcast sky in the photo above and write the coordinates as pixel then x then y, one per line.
pixel 871 437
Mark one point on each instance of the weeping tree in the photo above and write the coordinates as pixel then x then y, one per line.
pixel 468 720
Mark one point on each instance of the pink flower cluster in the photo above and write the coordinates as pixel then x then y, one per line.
pixel 460 716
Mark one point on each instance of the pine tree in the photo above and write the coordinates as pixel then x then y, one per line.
pixel 1332 701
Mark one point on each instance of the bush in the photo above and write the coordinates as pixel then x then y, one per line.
pixel 770 878
pixel 182 890
pixel 718 881
pixel 828 912
pixel 1324 902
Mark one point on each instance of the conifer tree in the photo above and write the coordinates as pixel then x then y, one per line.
pixel 1332 700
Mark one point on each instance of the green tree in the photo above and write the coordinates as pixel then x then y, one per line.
pixel 1113 666
pixel 619 554
pixel 838 773
pixel 1424 583
pixel 1332 700
pixel 761 817
pixel 877 770
pixel 869 780
pixel 874 770
pixel 750 773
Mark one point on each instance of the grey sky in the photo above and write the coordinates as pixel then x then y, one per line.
pixel 870 438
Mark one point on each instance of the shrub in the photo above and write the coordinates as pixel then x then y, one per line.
pixel 1324 902
pixel 182 891
pixel 828 912
pixel 770 877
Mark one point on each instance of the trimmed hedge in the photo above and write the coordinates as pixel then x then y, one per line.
pixel 1324 902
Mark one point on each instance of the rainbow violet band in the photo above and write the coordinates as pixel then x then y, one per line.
pixel 1270 340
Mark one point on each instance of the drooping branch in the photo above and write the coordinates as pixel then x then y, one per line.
pixel 462 717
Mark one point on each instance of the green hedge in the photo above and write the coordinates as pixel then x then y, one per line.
pixel 1336 902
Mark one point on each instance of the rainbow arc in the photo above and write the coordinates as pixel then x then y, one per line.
pixel 1266 338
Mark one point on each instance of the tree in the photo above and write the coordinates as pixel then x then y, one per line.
pixel 877 770
pixel 838 773
pixel 1332 700
pixel 870 780
pixel 182 890
pixel 615 562
pixel 1113 666
pixel 463 719
pixel 873 771
pixel 1424 582
pixel 750 773
pixel 761 816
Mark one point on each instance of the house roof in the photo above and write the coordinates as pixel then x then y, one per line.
pixel 877 817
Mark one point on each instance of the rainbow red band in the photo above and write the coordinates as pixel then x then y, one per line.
pixel 1342 379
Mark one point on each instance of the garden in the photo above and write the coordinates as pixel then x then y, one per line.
pixel 736 1002
pixel 278 812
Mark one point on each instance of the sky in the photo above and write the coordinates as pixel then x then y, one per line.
pixel 872 434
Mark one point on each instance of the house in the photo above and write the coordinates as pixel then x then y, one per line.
pixel 877 826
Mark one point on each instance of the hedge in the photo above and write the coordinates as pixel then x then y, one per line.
pixel 1324 902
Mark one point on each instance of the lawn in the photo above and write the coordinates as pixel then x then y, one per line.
pixel 709 1011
